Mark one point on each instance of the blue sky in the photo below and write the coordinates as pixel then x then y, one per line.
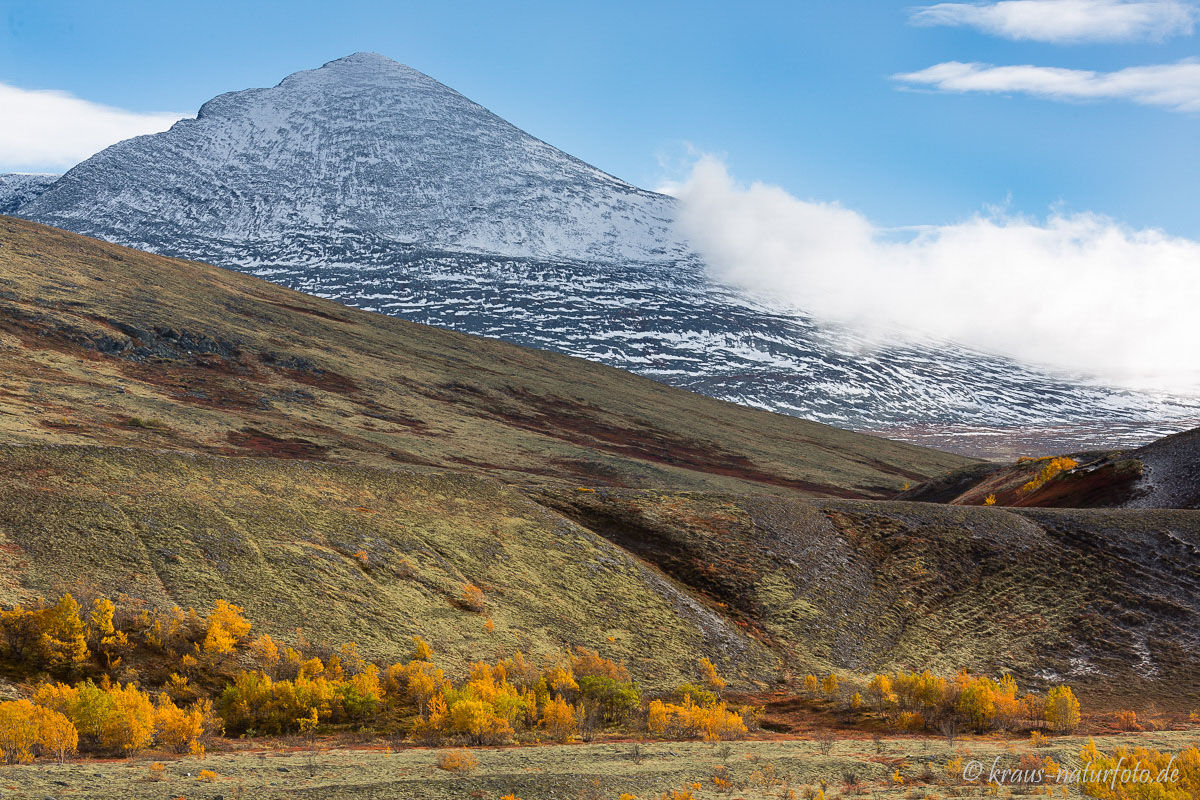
pixel 798 94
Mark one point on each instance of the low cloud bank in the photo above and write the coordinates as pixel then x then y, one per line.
pixel 51 130
pixel 1078 293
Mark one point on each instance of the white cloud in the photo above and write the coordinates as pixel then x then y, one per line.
pixel 1067 21
pixel 1079 292
pixel 51 130
pixel 1172 86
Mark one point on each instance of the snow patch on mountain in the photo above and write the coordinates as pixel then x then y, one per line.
pixel 20 188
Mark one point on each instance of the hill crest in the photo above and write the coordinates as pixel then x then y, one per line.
pixel 107 345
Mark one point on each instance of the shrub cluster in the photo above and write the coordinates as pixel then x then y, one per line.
pixel 1139 773
pixel 1051 468
pixel 924 701
pixel 216 678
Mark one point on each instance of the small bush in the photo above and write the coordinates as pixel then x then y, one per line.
pixel 158 771
pixel 460 762
pixel 146 424
pixel 472 597
pixel 207 776
pixel 1127 721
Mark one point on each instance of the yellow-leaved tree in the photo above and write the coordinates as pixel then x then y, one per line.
pixel 226 627
pixel 64 636
pixel 708 673
pixel 421 650
pixel 57 735
pixel 1062 709
pixel 559 719
pixel 977 699
pixel 18 731
pixel 267 653
pixel 129 725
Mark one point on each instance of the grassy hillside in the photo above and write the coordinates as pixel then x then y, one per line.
pixel 144 395
pixel 284 538
pixel 1104 599
pixel 101 344
pixel 766 586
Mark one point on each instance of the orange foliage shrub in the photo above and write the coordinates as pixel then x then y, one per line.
pixel 708 674
pixel 1143 774
pixel 588 663
pixel 472 597
pixel 559 720
pixel 1127 721
pixel 458 761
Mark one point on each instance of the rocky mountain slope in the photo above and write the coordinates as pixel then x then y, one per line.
pixel 21 188
pixel 363 149
pixel 370 183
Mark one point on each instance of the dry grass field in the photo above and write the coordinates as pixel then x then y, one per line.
pixel 756 770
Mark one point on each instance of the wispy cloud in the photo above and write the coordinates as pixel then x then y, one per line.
pixel 1078 292
pixel 52 130
pixel 1172 86
pixel 1067 21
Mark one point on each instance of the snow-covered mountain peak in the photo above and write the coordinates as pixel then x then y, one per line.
pixel 334 80
pixel 361 146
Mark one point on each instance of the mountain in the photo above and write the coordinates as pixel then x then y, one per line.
pixel 101 344
pixel 370 183
pixel 362 153
pixel 20 188
pixel 183 433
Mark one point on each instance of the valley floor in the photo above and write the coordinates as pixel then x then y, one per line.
pixel 756 770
